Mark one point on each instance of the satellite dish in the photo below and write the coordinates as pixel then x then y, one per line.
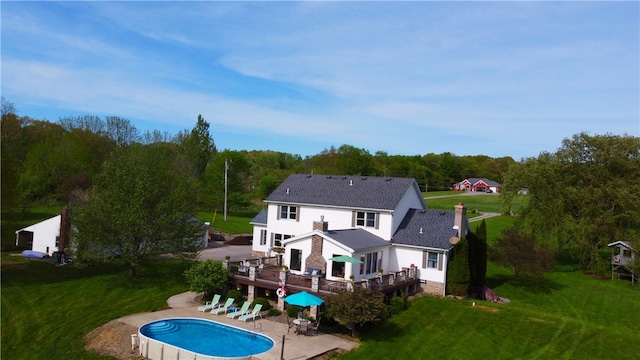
pixel 454 240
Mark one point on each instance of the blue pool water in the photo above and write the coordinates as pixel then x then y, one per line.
pixel 207 337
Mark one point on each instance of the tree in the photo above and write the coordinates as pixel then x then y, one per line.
pixel 207 276
pixel 138 207
pixel 581 197
pixel 198 146
pixel 356 308
pixel 480 255
pixel 458 271
pixel 519 251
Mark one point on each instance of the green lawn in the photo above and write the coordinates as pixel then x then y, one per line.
pixel 481 202
pixel 237 221
pixel 48 310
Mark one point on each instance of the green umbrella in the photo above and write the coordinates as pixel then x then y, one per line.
pixel 346 259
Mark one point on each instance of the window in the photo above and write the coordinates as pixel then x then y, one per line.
pixel 58 241
pixel 367 219
pixel 288 212
pixel 277 239
pixel 431 260
pixel 296 259
pixel 371 263
pixel 263 237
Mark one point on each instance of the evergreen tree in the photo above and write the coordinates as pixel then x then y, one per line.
pixel 458 274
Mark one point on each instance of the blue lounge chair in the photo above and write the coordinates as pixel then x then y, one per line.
pixel 252 315
pixel 210 305
pixel 244 310
pixel 224 308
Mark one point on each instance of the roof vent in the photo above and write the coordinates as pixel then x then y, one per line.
pixel 421 231
pixel 350 182
pixel 287 191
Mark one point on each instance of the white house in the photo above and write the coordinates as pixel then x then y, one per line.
pixel 381 221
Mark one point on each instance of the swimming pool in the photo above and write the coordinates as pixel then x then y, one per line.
pixel 194 338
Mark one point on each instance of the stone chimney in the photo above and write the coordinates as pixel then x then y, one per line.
pixel 65 228
pixel 460 220
pixel 315 259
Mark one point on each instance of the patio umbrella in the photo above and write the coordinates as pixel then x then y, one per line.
pixel 303 299
pixel 346 259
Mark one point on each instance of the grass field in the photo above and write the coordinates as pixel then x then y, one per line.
pixel 48 310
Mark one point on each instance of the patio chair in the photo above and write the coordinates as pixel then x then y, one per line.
pixel 313 328
pixel 209 305
pixel 291 324
pixel 239 312
pixel 224 308
pixel 253 314
pixel 303 329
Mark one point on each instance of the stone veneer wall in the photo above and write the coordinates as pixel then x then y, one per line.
pixel 433 288
pixel 315 259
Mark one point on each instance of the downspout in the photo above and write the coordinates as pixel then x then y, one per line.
pixel 446 265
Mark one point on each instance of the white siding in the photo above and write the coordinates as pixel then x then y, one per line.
pixel 45 234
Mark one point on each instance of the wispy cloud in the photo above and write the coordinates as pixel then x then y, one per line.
pixel 411 77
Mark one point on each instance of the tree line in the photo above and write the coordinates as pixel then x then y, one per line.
pixel 44 160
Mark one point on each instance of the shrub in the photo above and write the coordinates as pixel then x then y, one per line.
pixel 293 310
pixel 458 275
pixel 263 301
pixel 236 294
pixel 397 305
pixel 208 276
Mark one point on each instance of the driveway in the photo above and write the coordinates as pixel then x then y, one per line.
pixel 217 250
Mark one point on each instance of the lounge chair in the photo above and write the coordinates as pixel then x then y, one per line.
pixel 224 308
pixel 244 310
pixel 253 314
pixel 210 305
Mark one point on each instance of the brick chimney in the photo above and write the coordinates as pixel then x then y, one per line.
pixel 315 259
pixel 65 228
pixel 460 220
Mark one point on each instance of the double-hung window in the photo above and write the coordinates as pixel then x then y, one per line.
pixel 277 239
pixel 263 237
pixel 366 219
pixel 288 212
pixel 432 260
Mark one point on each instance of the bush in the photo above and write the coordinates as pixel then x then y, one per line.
pixel 274 312
pixel 397 305
pixel 293 310
pixel 263 301
pixel 208 276
pixel 235 294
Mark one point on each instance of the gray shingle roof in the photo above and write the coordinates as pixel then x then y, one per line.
pixel 357 239
pixel 436 225
pixel 364 192
pixel 260 219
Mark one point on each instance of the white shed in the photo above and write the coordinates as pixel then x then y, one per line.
pixel 42 237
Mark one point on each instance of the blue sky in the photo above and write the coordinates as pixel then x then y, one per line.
pixel 408 78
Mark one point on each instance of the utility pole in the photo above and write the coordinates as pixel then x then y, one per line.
pixel 226 181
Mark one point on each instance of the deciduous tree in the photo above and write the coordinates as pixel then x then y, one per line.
pixel 139 207
pixel 581 197
pixel 519 251
pixel 356 308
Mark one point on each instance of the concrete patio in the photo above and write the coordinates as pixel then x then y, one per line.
pixel 295 346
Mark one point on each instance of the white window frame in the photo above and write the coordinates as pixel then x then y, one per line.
pixel 288 212
pixel 366 219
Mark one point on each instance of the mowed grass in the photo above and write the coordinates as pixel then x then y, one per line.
pixel 237 221
pixel 579 318
pixel 481 202
pixel 48 310
pixel 569 315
